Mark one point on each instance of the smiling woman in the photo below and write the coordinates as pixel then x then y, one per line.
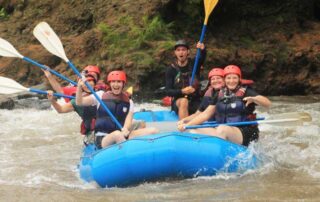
pixel 119 103
pixel 233 103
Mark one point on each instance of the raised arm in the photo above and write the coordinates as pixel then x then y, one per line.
pixel 259 100
pixel 65 108
pixel 83 101
pixel 128 121
pixel 53 82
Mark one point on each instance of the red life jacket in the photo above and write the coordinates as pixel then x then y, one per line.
pixel 247 82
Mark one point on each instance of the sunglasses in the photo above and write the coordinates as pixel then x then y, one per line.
pixel 85 72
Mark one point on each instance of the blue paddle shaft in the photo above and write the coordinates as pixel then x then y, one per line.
pixel 54 94
pixel 194 70
pixel 96 96
pixel 214 122
pixel 50 70
pixel 244 123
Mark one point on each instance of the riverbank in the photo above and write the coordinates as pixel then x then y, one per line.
pixel 275 43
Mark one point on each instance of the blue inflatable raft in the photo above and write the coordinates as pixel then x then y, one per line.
pixel 156 116
pixel 173 155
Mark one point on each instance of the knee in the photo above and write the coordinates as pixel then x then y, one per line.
pixel 183 102
pixel 142 124
pixel 221 131
pixel 154 130
pixel 193 131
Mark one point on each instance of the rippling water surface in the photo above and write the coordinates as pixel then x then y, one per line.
pixel 40 150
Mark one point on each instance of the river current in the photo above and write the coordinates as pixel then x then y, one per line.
pixel 40 151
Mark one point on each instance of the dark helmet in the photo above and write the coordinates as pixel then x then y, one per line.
pixel 181 42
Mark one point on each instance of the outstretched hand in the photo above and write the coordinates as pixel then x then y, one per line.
pixel 249 100
pixel 182 127
pixel 81 81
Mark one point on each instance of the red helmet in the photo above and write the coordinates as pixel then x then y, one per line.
pixel 232 69
pixel 91 68
pixel 216 71
pixel 117 76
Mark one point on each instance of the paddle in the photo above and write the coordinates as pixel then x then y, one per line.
pixel 297 119
pixel 7 50
pixel 9 86
pixel 214 122
pixel 208 7
pixel 48 38
pixel 291 115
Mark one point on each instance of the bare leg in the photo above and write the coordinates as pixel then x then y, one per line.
pixel 182 104
pixel 112 138
pixel 143 131
pixel 205 131
pixel 136 124
pixel 230 133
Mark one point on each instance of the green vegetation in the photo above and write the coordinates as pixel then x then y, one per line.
pixel 139 41
pixel 282 52
pixel 3 13
pixel 249 43
pixel 192 8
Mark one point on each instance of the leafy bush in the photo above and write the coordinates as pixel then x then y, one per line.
pixel 3 13
pixel 128 36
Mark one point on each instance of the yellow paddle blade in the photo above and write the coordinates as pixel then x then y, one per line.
pixel 208 7
pixel 130 90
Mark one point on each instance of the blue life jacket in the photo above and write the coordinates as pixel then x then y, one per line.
pixel 118 105
pixel 206 100
pixel 230 106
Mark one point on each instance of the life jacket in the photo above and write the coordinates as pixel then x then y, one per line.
pixel 88 119
pixel 230 106
pixel 246 82
pixel 118 105
pixel 206 100
pixel 88 116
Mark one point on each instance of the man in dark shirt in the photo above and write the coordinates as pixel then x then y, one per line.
pixel 178 75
